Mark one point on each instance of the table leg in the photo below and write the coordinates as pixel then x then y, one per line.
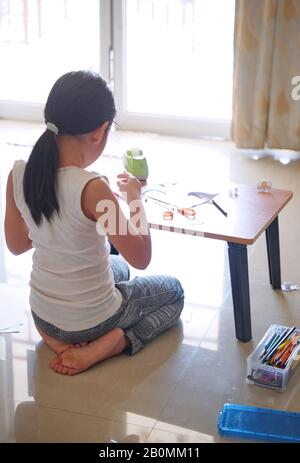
pixel 272 237
pixel 238 263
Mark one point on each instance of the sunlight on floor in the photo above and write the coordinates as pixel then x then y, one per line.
pixel 180 433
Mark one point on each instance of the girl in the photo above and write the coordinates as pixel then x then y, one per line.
pixel 83 304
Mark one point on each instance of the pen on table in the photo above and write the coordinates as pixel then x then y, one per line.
pixel 160 201
pixel 164 205
pixel 218 207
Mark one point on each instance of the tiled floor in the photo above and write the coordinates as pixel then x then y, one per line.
pixel 173 390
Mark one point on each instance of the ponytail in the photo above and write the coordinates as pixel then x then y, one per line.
pixel 78 103
pixel 40 178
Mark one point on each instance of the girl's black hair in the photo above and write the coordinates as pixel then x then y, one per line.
pixel 78 103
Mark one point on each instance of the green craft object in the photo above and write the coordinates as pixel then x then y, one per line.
pixel 136 164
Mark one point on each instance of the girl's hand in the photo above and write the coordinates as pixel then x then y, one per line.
pixel 130 185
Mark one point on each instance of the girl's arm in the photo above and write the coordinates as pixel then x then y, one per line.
pixel 130 237
pixel 16 231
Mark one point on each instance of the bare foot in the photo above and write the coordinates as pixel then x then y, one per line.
pixel 57 358
pixel 57 346
pixel 74 361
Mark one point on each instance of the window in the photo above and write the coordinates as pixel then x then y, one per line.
pixel 174 62
pixel 170 61
pixel 41 40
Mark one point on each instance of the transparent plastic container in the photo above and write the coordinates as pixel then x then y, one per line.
pixel 269 376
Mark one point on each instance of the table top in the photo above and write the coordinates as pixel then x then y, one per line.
pixel 249 214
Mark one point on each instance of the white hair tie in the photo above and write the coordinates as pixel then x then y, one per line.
pixel 52 128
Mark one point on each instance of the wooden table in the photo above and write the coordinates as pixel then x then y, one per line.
pixel 249 215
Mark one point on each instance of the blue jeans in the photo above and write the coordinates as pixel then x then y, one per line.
pixel 150 305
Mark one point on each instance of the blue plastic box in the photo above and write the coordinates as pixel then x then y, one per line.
pixel 259 423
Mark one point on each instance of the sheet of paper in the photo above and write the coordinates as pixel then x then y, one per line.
pixel 13 301
pixel 12 329
pixel 176 195
pixel 10 318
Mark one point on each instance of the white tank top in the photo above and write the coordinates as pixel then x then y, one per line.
pixel 72 284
